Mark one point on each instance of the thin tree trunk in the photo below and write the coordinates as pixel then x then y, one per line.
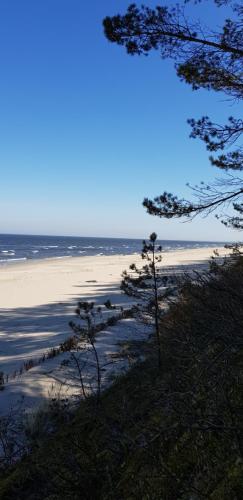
pixel 156 311
pixel 98 370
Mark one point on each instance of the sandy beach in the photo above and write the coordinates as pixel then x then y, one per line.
pixel 50 281
pixel 38 300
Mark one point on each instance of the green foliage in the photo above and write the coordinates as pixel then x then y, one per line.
pixel 87 313
pixel 212 60
pixel 148 285
pixel 170 433
pixel 109 305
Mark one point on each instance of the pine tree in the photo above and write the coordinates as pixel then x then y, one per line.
pixel 148 285
pixel 212 60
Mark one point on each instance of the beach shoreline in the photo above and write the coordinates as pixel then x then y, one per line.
pixel 36 282
pixel 20 249
pixel 38 300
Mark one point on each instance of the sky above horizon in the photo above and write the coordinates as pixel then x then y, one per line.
pixel 87 131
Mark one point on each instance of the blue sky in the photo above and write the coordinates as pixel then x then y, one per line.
pixel 87 131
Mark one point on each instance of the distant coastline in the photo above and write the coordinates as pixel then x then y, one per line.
pixel 22 248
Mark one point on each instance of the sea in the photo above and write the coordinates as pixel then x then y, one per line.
pixel 16 248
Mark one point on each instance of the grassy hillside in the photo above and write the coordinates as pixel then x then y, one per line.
pixel 174 433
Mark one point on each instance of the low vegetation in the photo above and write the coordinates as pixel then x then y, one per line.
pixel 173 432
pixel 147 284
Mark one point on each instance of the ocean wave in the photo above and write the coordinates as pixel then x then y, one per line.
pixel 72 246
pixel 59 257
pixel 35 251
pixel 13 260
pixel 50 246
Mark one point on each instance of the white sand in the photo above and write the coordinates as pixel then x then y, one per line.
pixel 45 282
pixel 38 299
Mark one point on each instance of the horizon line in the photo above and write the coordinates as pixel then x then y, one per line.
pixel 112 237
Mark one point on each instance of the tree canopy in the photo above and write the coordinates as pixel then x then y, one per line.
pixel 204 58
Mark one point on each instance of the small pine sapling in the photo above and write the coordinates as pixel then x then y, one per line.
pixel 148 285
pixel 87 312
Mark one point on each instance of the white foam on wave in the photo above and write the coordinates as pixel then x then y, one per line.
pixel 13 260
pixel 50 246
pixel 59 257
